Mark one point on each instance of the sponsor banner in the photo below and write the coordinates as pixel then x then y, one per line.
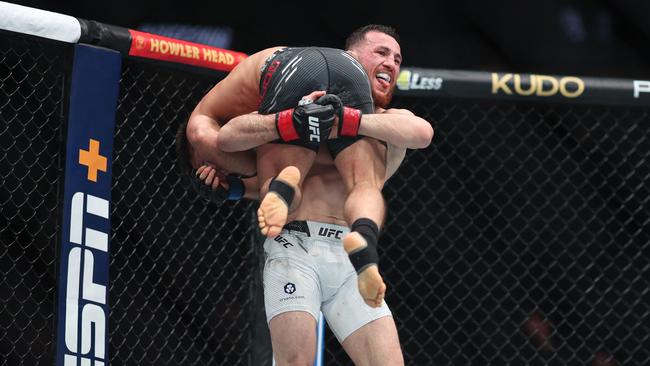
pixel 642 90
pixel 414 80
pixel 82 318
pixel 163 48
pixel 513 86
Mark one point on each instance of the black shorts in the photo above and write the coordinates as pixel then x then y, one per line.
pixel 291 73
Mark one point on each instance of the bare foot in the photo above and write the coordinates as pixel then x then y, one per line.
pixel 273 211
pixel 371 285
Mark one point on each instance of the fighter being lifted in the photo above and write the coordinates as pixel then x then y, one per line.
pixel 289 74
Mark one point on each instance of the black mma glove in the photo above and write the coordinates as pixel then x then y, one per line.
pixel 309 123
pixel 349 118
pixel 234 192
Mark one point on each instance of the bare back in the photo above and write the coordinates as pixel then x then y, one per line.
pixel 237 93
pixel 323 192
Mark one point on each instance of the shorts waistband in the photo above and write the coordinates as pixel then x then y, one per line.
pixel 318 229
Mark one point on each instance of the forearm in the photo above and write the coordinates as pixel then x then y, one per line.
pixel 402 130
pixel 252 190
pixel 247 131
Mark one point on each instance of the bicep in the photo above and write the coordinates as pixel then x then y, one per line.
pixel 234 95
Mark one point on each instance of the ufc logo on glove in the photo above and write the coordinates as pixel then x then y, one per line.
pixel 314 131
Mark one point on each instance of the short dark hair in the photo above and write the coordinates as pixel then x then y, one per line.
pixel 360 34
pixel 183 164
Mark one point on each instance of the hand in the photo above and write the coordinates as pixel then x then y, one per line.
pixel 215 186
pixel 311 97
pixel 348 119
pixel 309 123
pixel 211 176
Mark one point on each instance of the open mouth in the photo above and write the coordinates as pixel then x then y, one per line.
pixel 384 79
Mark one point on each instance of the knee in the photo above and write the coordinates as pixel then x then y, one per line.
pixel 296 359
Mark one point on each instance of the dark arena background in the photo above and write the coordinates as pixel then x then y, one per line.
pixel 521 236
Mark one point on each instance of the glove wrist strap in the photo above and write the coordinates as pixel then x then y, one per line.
pixel 236 188
pixel 284 124
pixel 350 121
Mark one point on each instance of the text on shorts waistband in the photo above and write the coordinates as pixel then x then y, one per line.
pixel 318 229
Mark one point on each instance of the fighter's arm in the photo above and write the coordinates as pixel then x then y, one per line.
pixel 216 180
pixel 251 130
pixel 248 131
pixel 235 95
pixel 399 127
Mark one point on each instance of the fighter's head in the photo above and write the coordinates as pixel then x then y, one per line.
pixel 186 163
pixel 377 49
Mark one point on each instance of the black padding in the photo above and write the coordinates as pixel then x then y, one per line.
pixel 282 189
pixel 367 256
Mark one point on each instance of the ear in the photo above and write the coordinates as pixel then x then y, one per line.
pixel 353 53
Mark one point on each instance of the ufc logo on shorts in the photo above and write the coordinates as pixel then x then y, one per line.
pixel 329 232
pixel 284 242
pixel 85 319
pixel 314 130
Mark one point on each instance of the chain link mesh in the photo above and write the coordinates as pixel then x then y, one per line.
pixel 32 74
pixel 520 237
pixel 180 269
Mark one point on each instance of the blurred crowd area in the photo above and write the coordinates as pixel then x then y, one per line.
pixel 605 38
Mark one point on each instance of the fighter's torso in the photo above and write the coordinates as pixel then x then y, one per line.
pixel 324 193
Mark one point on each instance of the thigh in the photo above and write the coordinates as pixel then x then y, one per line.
pixel 292 298
pixel 290 278
pixel 272 158
pixel 346 312
pixel 293 338
pixel 362 162
pixel 376 343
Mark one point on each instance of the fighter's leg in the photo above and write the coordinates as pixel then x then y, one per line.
pixel 292 298
pixel 282 190
pixel 368 335
pixel 375 344
pixel 293 338
pixel 286 166
pixel 362 167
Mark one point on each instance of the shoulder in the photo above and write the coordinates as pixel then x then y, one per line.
pixel 257 59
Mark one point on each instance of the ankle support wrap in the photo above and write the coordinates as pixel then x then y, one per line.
pixel 366 256
pixel 282 189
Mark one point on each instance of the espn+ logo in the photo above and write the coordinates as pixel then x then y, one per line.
pixel 85 300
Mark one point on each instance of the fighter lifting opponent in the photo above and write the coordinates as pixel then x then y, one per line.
pixel 362 166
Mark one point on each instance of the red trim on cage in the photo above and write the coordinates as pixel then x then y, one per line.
pixel 161 48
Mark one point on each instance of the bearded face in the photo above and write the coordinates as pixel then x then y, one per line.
pixel 382 98
pixel 380 56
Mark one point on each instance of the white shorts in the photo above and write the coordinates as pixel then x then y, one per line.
pixel 311 272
